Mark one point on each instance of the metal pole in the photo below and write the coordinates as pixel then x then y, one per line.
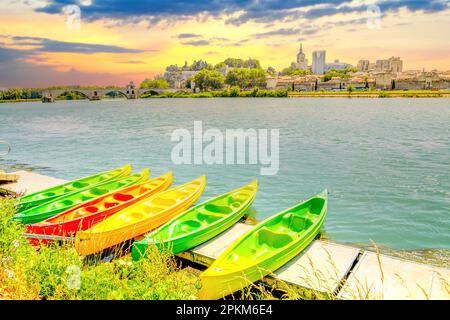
pixel 47 237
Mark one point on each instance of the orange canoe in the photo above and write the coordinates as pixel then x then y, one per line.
pixel 139 218
pixel 86 215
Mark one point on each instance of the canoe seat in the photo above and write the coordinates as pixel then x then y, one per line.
pixel 295 222
pixel 62 204
pixel 90 209
pixel 47 194
pixel 239 197
pixel 145 189
pixel 273 239
pixel 123 197
pixel 217 209
pixel 98 191
pixel 78 184
pixel 184 227
pixel 108 204
pixel 163 202
pixel 209 217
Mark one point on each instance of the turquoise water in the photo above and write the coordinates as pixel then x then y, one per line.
pixel 386 162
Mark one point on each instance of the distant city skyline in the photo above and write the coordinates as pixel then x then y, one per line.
pixel 87 42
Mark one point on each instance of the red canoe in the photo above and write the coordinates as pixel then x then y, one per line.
pixel 84 216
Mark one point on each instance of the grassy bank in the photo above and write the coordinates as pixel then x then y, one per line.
pixel 20 100
pixel 233 92
pixel 57 272
pixel 373 94
pixel 262 93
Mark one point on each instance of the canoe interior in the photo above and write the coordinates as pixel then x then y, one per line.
pixel 208 213
pixel 277 233
pixel 115 199
pixel 154 206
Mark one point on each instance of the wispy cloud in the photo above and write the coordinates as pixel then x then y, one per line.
pixel 188 35
pixel 196 43
pixel 134 62
pixel 307 31
pixel 49 45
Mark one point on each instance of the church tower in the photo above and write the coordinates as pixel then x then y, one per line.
pixel 302 62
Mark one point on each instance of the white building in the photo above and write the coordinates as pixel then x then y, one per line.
pixel 318 63
pixel 393 64
pixel 363 65
pixel 337 65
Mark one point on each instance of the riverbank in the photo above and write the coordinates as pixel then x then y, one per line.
pixel 373 94
pixel 325 270
pixel 20 100
pixel 261 93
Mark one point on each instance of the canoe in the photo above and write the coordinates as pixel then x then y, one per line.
pixel 61 204
pixel 200 223
pixel 139 218
pixel 87 214
pixel 264 248
pixel 37 198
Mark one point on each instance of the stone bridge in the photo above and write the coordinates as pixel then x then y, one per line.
pixel 129 92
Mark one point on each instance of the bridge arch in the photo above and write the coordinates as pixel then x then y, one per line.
pixel 120 92
pixel 60 93
pixel 152 91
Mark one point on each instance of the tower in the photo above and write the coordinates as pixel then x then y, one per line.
pixel 302 62
pixel 318 64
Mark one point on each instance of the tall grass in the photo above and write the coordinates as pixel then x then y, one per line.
pixel 58 272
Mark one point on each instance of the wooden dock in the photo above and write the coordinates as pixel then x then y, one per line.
pixel 29 182
pixel 324 269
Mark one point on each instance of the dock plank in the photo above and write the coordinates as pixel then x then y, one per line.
pixel 391 278
pixel 29 182
pixel 320 268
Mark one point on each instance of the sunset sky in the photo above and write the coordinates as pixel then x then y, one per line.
pixel 43 42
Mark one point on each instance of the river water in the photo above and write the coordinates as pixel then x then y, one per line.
pixel 385 162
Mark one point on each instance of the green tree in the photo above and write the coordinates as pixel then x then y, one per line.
pixel 12 94
pixel 200 65
pixel 154 84
pixel 220 65
pixel 234 91
pixel 208 80
pixel 237 77
pixel 339 73
pixel 271 71
pixel 350 88
pixel 241 63
pixel 291 71
pixel 246 78
pixel 257 77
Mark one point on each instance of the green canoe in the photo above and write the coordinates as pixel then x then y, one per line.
pixel 264 248
pixel 50 194
pixel 49 209
pixel 200 223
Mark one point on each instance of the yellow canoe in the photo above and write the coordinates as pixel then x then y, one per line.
pixel 139 218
